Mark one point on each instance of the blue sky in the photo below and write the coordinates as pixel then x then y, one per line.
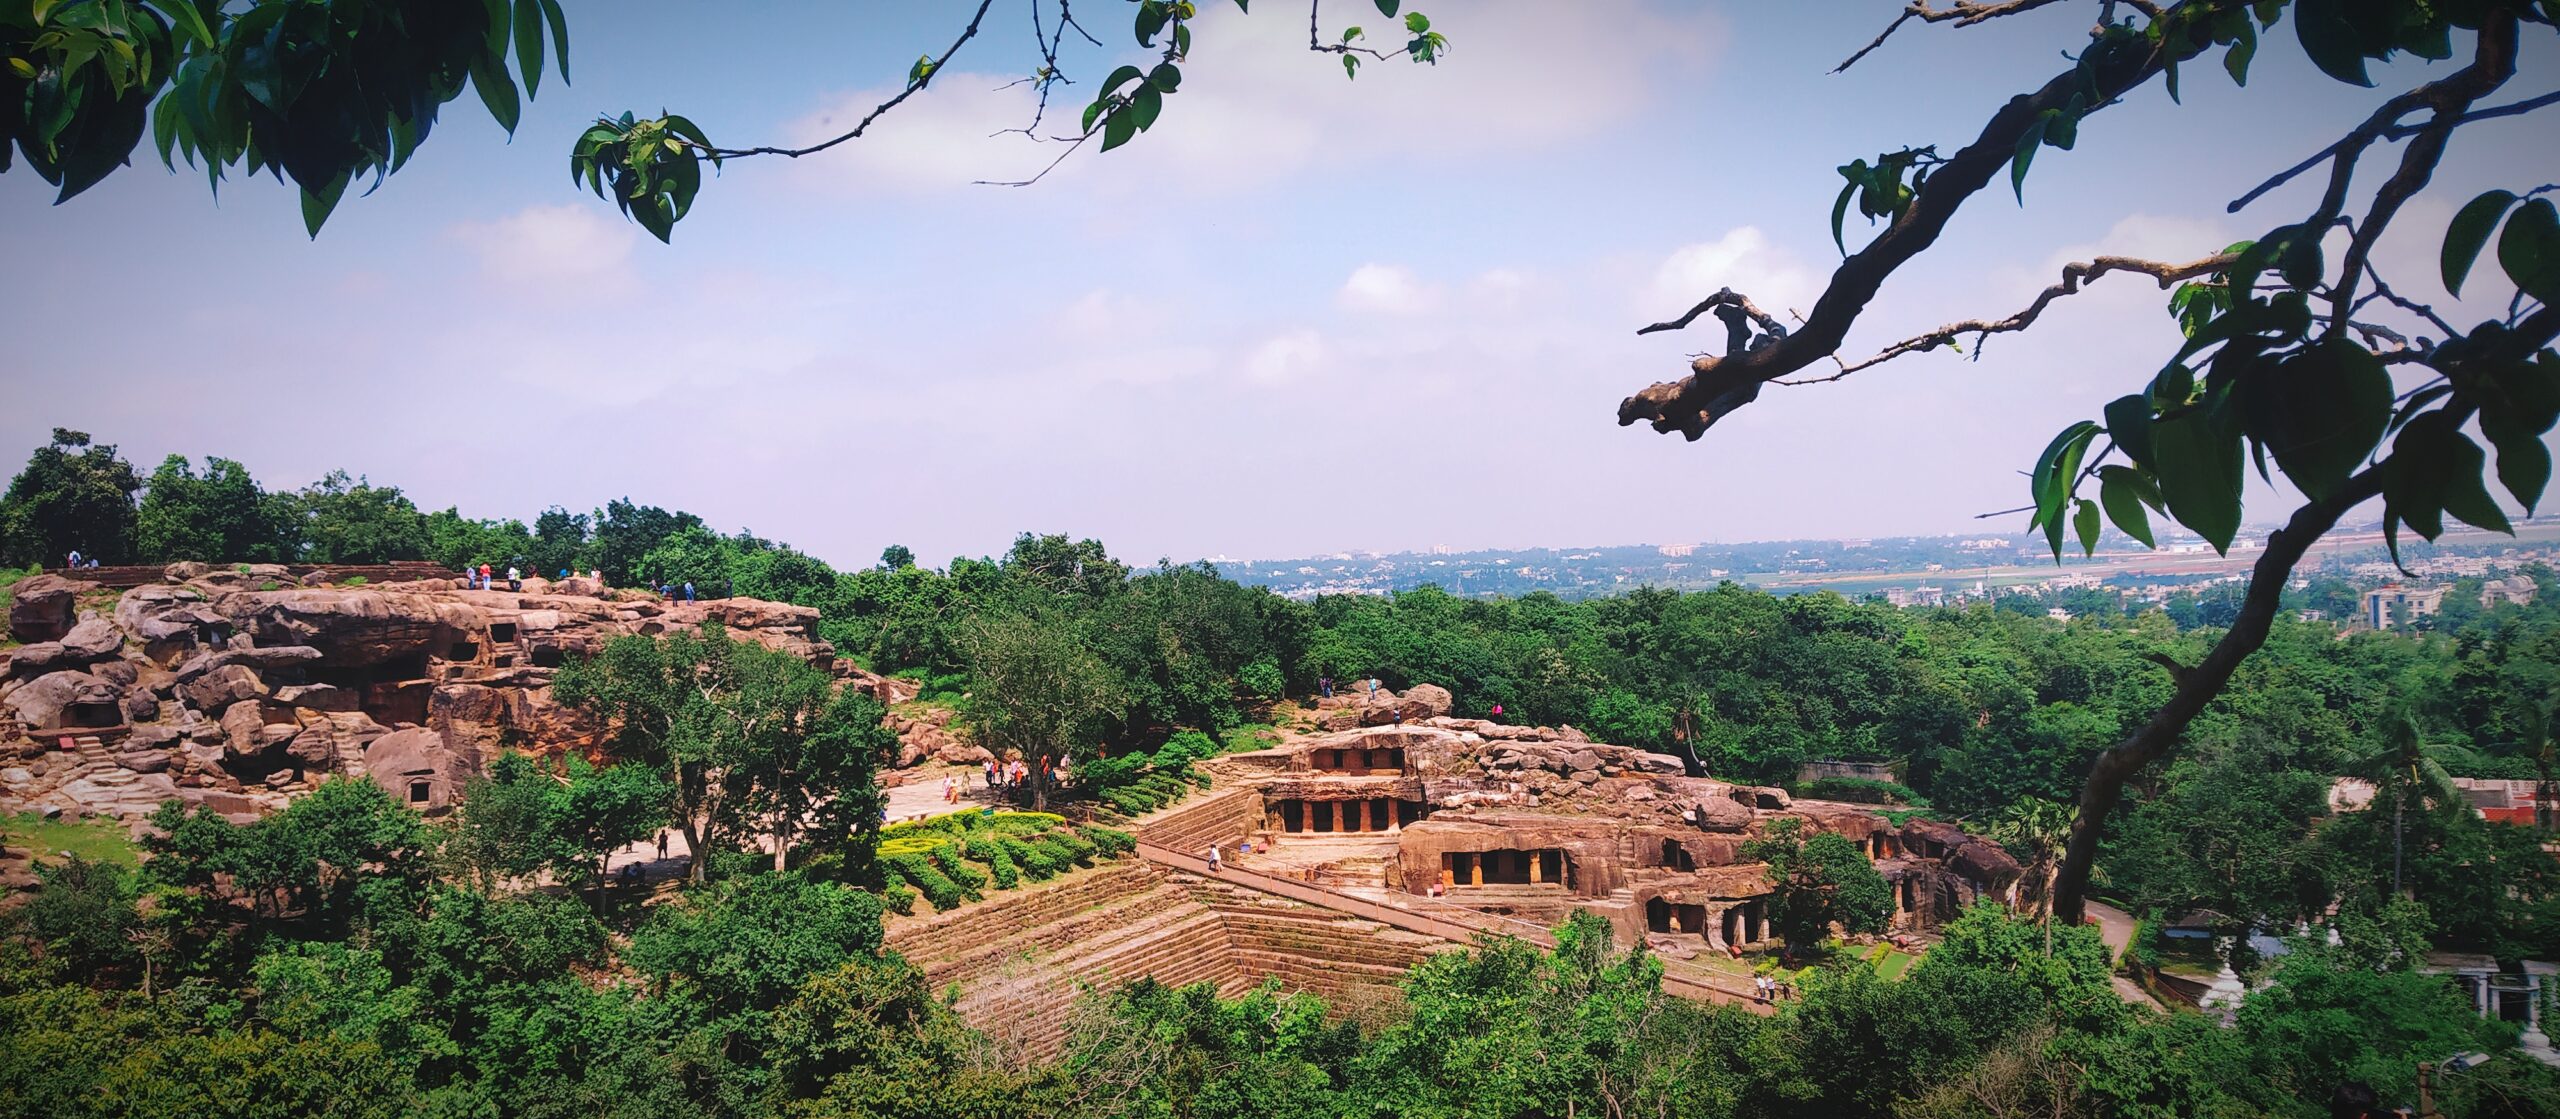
pixel 1301 315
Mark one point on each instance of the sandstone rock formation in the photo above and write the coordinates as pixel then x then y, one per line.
pixel 238 687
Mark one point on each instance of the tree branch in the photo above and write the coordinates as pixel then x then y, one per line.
pixel 2493 62
pixel 966 34
pixel 2393 132
pixel 1964 12
pixel 2073 276
pixel 1715 386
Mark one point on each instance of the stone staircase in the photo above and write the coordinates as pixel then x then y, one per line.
pixel 1219 816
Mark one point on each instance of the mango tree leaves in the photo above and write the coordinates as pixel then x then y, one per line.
pixel 2529 250
pixel 2522 406
pixel 2056 474
pixel 314 93
pixel 1878 187
pixel 651 169
pixel 2434 470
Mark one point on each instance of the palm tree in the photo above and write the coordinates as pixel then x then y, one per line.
pixel 2404 767
pixel 2037 830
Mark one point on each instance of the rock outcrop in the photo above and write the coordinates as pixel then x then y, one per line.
pixel 239 687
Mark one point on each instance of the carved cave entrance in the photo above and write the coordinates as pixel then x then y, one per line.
pixel 1743 924
pixel 394 691
pixel 1355 760
pixel 1668 917
pixel 1506 868
pixel 1372 814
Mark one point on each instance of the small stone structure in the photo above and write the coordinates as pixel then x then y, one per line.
pixel 1535 822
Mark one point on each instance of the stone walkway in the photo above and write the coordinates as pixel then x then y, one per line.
pixel 2115 926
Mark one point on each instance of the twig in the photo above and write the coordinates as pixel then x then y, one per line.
pixel 2493 62
pixel 1965 14
pixel 966 34
pixel 2073 276
pixel 2393 132
pixel 1316 43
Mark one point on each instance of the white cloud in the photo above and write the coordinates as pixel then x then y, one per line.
pixel 1286 357
pixel 1256 105
pixel 1744 260
pixel 574 246
pixel 1387 289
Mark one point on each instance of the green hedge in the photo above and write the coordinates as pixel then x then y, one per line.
pixel 898 897
pixel 953 866
pixel 1860 790
pixel 1112 844
pixel 938 890
pixel 985 849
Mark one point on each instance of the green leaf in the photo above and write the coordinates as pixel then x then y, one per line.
pixel 2524 467
pixel 1351 66
pixel 1387 8
pixel 1182 39
pixel 1165 77
pixel 2173 387
pixel 1144 105
pixel 2321 411
pixel 1094 110
pixel 497 91
pixel 2085 522
pixel 2236 60
pixel 528 20
pixel 185 16
pixel 2469 233
pixel 1117 129
pixel 2198 464
pixel 1840 212
pixel 2129 424
pixel 2529 250
pixel 317 204
pixel 1350 34
pixel 2330 40
pixel 2026 154
pixel 2057 472
pixel 922 71
pixel 2121 489
pixel 559 21
pixel 1118 78
pixel 1417 22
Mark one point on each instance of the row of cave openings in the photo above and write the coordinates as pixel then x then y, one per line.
pixel 1374 814
pixel 1506 868
pixel 1352 760
pixel 1742 923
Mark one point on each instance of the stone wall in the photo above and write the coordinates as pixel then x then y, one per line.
pixel 1021 959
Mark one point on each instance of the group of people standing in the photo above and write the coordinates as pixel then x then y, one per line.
pixel 477 578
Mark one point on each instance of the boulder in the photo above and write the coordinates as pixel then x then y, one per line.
pixel 352 627
pixel 47 702
pixel 39 658
pixel 416 767
pixel 140 707
pixel 1434 699
pixel 1721 814
pixel 41 607
pixel 318 697
pixel 222 687
pixel 94 639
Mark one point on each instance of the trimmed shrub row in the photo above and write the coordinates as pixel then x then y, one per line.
pixel 939 858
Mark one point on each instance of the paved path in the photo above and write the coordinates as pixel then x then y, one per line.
pixel 2115 926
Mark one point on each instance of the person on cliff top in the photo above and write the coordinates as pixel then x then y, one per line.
pixel 1324 686
pixel 1217 861
pixel 1497 710
pixel 688 590
pixel 75 558
pixel 484 576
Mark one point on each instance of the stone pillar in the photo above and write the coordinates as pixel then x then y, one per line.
pixel 1478 869
pixel 1366 824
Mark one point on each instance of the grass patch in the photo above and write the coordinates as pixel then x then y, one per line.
pixel 96 840
pixel 1251 736
pixel 1894 963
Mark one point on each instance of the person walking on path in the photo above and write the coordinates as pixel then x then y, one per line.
pixel 1216 861
pixel 688 590
pixel 662 844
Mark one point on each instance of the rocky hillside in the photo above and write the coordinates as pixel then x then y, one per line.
pixel 238 687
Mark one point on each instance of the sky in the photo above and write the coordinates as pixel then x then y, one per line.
pixel 1302 315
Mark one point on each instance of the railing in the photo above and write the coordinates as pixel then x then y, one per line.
pixel 1454 923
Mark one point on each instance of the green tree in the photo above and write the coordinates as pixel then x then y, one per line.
pixel 1818 882
pixel 351 520
pixel 559 541
pixel 219 516
pixel 622 533
pixel 1037 694
pixel 71 496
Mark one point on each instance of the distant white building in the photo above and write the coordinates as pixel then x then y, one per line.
pixel 2391 602
pixel 2518 589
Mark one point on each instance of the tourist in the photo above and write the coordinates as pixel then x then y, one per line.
pixel 484 576
pixel 75 558
pixel 949 793
pixel 688 590
pixel 1324 686
pixel 1497 711
pixel 662 843
pixel 1373 686
pixel 1215 862
pixel 515 578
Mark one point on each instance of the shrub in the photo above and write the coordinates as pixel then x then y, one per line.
pixel 898 898
pixel 1034 861
pixel 1198 779
pixel 985 849
pixel 268 585
pixel 1129 802
pixel 1025 823
pixel 913 845
pixel 1179 751
pixel 940 891
pixel 1263 679
pixel 1068 848
pixel 1110 842
pixel 971 879
pixel 353 581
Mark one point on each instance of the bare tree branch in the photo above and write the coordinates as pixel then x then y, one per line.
pixel 2073 276
pixel 2493 62
pixel 966 34
pixel 1965 13
pixel 2392 132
